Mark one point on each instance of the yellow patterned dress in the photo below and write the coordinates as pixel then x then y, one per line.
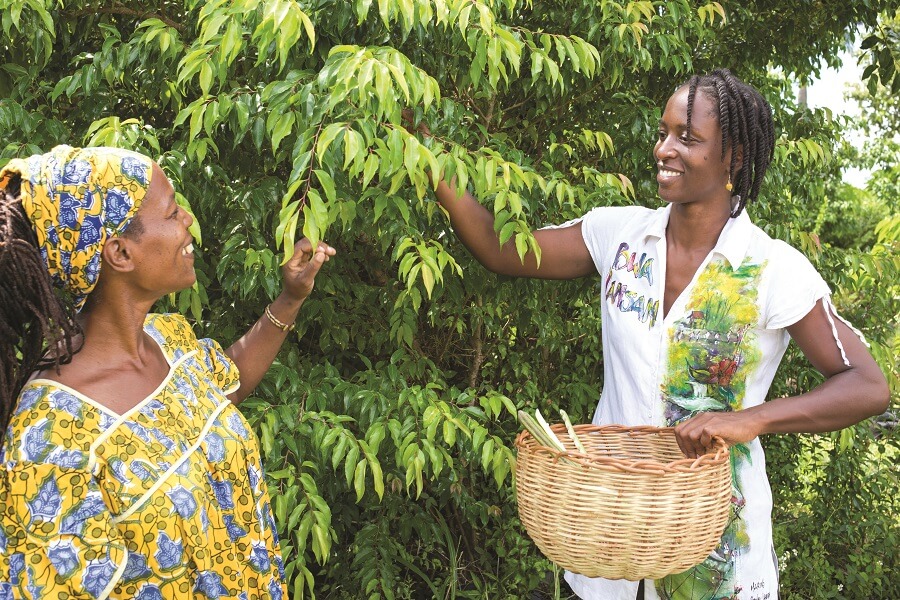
pixel 166 501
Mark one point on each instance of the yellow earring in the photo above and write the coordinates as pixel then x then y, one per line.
pixel 728 185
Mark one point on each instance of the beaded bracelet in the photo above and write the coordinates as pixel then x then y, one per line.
pixel 282 326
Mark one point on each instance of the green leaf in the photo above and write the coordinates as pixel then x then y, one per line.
pixel 359 479
pixel 321 543
pixel 206 76
pixel 362 10
pixel 327 184
pixel 370 168
pixel 310 30
pixel 411 155
pixel 283 126
pixel 521 245
pixel 328 136
pixel 315 218
pixel 352 146
pixel 377 476
pixel 507 232
pixel 427 279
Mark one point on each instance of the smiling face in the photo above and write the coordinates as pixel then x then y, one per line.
pixel 690 164
pixel 160 245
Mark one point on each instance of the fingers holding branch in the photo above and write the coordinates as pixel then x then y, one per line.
pixel 408 117
pixel 300 271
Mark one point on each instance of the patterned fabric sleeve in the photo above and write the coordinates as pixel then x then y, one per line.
pixel 57 539
pixel 174 332
pixel 223 372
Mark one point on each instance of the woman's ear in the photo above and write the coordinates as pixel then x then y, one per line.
pixel 116 255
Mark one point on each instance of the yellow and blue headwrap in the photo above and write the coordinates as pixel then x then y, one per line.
pixel 76 198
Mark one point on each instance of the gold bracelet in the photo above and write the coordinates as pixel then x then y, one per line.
pixel 282 326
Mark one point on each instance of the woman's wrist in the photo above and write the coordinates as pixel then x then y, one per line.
pixel 283 311
pixel 757 419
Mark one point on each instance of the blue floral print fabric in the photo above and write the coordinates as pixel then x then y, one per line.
pixel 76 198
pixel 166 501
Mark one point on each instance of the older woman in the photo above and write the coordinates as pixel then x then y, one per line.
pixel 129 473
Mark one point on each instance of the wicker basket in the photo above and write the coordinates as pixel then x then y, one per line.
pixel 633 507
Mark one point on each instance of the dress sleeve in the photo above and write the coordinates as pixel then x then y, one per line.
pixel 599 228
pixel 794 287
pixel 57 539
pixel 223 372
pixel 177 337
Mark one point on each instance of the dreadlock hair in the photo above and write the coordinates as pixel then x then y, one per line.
pixel 746 121
pixel 37 326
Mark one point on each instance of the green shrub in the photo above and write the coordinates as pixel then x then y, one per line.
pixel 388 420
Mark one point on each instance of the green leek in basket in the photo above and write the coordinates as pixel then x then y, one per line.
pixel 541 431
pixel 546 427
pixel 571 431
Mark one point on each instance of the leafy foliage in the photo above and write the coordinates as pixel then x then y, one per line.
pixel 387 422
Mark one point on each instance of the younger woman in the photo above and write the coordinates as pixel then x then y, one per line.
pixel 698 307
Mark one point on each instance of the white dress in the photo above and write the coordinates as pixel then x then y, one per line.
pixel 716 350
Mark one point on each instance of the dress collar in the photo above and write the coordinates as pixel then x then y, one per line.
pixel 660 220
pixel 733 242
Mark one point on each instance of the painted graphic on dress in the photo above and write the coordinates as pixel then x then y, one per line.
pixel 712 348
pixel 627 268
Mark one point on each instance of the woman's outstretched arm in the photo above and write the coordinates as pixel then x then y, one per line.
pixel 254 352
pixel 564 254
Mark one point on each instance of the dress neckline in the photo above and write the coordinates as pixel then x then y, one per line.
pixel 41 381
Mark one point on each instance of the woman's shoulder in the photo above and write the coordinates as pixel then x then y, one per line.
pixel 778 255
pixel 618 217
pixel 176 337
pixel 172 332
pixel 630 211
pixel 52 424
pixel 173 324
pixel 607 225
pixel 790 285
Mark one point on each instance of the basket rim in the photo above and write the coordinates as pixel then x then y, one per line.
pixel 526 443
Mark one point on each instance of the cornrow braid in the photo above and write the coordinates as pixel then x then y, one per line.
pixel 692 93
pixel 746 121
pixel 37 326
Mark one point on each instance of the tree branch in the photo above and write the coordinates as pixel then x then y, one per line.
pixel 478 341
pixel 123 10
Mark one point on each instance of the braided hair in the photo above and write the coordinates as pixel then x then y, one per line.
pixel 37 326
pixel 746 121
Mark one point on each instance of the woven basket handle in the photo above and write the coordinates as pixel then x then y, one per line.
pixel 719 446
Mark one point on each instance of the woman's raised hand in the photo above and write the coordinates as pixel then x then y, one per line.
pixel 254 352
pixel 407 115
pixel 300 271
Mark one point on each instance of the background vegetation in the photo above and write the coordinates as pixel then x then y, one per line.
pixel 387 422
